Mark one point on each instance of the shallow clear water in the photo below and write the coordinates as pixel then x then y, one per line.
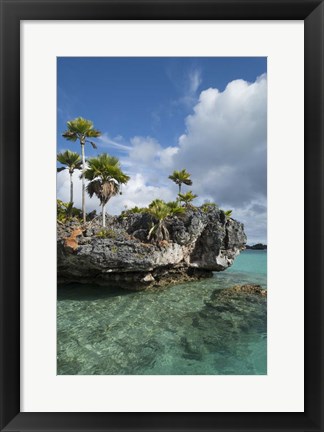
pixel 176 331
pixel 249 267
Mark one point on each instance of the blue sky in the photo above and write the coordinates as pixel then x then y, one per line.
pixel 158 114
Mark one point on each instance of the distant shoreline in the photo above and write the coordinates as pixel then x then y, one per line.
pixel 258 246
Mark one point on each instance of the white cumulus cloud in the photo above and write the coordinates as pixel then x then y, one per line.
pixel 225 144
pixel 224 147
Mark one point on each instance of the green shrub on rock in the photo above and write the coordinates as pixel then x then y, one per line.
pixel 66 211
pixel 208 206
pixel 107 233
pixel 133 210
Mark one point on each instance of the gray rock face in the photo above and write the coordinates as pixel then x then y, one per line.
pixel 200 242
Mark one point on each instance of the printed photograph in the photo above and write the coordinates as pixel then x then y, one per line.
pixel 161 215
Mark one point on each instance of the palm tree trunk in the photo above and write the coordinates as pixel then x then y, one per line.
pixel 83 183
pixel 179 188
pixel 71 188
pixel 103 216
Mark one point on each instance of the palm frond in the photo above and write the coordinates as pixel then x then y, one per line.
pixel 187 182
pixel 181 177
pixel 94 188
pixel 108 189
pixel 159 209
pixel 70 159
pixel 107 168
pixel 105 176
pixel 80 128
pixel 187 197
pixel 157 202
pixel 228 214
pixel 93 133
pixel 175 209
pixel 94 146
pixel 70 136
pixel 79 125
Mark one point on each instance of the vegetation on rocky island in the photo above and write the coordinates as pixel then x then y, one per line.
pixel 105 178
pixel 102 176
pixel 106 233
pixel 66 211
pixel 187 198
pixel 228 214
pixel 161 211
pixel 71 162
pixel 81 130
pixel 181 177
pixel 208 206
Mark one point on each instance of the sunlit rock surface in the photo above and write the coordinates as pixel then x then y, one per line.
pixel 200 242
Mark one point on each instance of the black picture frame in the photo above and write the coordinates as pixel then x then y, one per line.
pixel 12 12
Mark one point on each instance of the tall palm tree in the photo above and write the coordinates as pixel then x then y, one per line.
pixel 105 178
pixel 80 129
pixel 187 198
pixel 180 177
pixel 72 161
pixel 161 211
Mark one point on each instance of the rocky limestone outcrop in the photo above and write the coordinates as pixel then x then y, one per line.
pixel 200 242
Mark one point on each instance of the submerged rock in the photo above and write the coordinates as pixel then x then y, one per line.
pixel 231 319
pixel 245 289
pixel 200 243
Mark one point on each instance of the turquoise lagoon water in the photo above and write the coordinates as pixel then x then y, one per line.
pixel 176 331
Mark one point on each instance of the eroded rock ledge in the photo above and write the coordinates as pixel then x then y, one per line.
pixel 200 242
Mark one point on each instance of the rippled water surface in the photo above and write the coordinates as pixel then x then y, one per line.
pixel 180 330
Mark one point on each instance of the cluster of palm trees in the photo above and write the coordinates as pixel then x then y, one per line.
pixel 104 173
pixel 180 178
pixel 104 179
pixel 163 211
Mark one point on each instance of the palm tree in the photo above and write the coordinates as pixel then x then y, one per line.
pixel 180 177
pixel 72 161
pixel 105 178
pixel 187 198
pixel 81 129
pixel 161 211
